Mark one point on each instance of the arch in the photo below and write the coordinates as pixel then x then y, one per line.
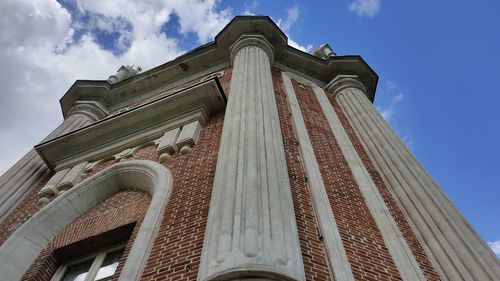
pixel 25 244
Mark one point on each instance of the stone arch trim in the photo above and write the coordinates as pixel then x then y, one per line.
pixel 25 244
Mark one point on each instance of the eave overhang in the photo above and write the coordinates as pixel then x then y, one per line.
pixel 217 53
pixel 135 126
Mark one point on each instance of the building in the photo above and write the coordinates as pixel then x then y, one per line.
pixel 244 159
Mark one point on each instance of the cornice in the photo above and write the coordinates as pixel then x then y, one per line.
pixel 216 53
pixel 135 126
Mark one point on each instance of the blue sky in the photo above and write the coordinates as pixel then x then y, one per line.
pixel 438 63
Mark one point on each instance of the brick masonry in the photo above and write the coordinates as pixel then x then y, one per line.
pixel 311 246
pixel 23 211
pixel 403 225
pixel 366 250
pixel 177 249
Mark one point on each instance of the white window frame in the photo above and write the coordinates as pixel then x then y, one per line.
pixel 93 269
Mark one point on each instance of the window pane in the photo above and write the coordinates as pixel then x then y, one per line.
pixel 77 272
pixel 109 265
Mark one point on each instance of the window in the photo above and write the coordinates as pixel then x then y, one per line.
pixel 99 266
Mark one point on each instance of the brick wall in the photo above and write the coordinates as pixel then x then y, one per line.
pixel 177 249
pixel 415 246
pixel 366 251
pixel 311 246
pixel 23 211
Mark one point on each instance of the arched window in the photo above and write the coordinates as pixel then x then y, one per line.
pixel 26 243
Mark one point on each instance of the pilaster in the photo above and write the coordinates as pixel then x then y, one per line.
pixel 16 182
pixel 458 251
pixel 251 230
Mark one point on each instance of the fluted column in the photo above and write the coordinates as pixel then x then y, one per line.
pixel 17 181
pixel 458 250
pixel 251 230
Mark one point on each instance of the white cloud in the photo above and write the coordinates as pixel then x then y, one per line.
pixel 495 246
pixel 389 110
pixel 365 7
pixel 250 7
pixel 40 58
pixel 396 98
pixel 292 17
pixel 286 25
pixel 296 45
pixel 391 98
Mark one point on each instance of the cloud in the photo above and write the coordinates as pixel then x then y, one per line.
pixel 365 7
pixel 46 46
pixel 292 16
pixel 388 111
pixel 495 246
pixel 296 45
pixel 389 99
pixel 250 7
pixel 286 25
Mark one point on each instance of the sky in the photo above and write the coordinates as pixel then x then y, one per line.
pixel 438 63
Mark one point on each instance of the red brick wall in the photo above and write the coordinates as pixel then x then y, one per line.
pixel 366 251
pixel 177 249
pixel 23 211
pixel 415 246
pixel 311 246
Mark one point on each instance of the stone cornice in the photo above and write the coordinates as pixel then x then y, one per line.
pixel 138 125
pixel 218 53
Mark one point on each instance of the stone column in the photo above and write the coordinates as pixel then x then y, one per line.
pixel 456 248
pixel 251 231
pixel 17 181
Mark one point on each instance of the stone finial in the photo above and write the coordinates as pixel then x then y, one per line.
pixel 324 52
pixel 123 73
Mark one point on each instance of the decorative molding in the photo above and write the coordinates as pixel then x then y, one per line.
pixel 334 248
pixel 50 189
pixel 217 75
pixel 251 230
pixel 71 178
pixel 167 145
pixel 138 125
pixel 214 56
pixel 188 137
pixel 26 243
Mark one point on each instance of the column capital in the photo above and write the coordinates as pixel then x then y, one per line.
pixel 91 109
pixel 255 40
pixel 342 82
